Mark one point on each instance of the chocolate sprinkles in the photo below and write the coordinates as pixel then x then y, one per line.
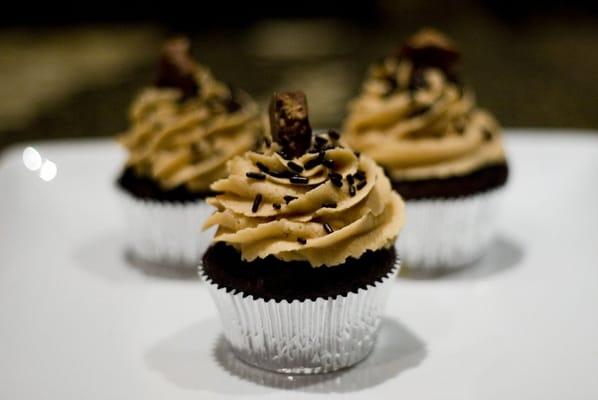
pixel 283 155
pixel 292 165
pixel 361 184
pixel 334 135
pixel 336 182
pixel 276 206
pixel 262 167
pixel 301 240
pixel 328 163
pixel 350 179
pixel 329 204
pixel 314 162
pixel 352 190
pixel 256 202
pixel 321 141
pixel 336 179
pixel 328 228
pixel 299 180
pixel 288 198
pixel 280 174
pixel 256 175
pixel 334 175
pixel 360 175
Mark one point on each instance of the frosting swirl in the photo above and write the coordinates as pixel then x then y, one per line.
pixel 323 207
pixel 416 119
pixel 181 136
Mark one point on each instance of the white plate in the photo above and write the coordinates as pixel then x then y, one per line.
pixel 77 321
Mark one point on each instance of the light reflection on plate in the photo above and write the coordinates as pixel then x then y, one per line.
pixel 33 162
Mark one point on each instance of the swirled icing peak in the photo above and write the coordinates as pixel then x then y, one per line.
pixel 186 127
pixel 322 206
pixel 417 120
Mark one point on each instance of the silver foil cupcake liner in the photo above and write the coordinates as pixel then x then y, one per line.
pixel 302 337
pixel 445 234
pixel 396 350
pixel 166 233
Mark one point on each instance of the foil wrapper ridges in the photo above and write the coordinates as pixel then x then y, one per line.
pixel 448 233
pixel 167 234
pixel 302 337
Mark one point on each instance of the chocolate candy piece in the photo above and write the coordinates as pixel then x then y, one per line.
pixel 177 68
pixel 430 48
pixel 289 123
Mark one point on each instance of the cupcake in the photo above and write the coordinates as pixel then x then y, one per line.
pixel 304 254
pixel 442 153
pixel 183 129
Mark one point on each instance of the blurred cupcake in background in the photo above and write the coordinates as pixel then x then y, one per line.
pixel 443 154
pixel 183 130
pixel 304 253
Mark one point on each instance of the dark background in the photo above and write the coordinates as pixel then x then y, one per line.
pixel 70 70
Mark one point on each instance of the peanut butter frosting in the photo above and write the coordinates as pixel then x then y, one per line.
pixel 323 206
pixel 417 120
pixel 185 128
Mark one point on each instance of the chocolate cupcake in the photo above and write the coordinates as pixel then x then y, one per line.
pixel 304 251
pixel 183 130
pixel 443 154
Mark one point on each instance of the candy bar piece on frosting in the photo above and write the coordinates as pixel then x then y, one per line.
pixel 177 67
pixel 289 122
pixel 430 48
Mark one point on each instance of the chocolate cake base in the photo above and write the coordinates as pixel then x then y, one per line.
pixel 271 278
pixel 147 189
pixel 481 180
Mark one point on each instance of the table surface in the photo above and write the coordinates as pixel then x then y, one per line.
pixel 79 321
